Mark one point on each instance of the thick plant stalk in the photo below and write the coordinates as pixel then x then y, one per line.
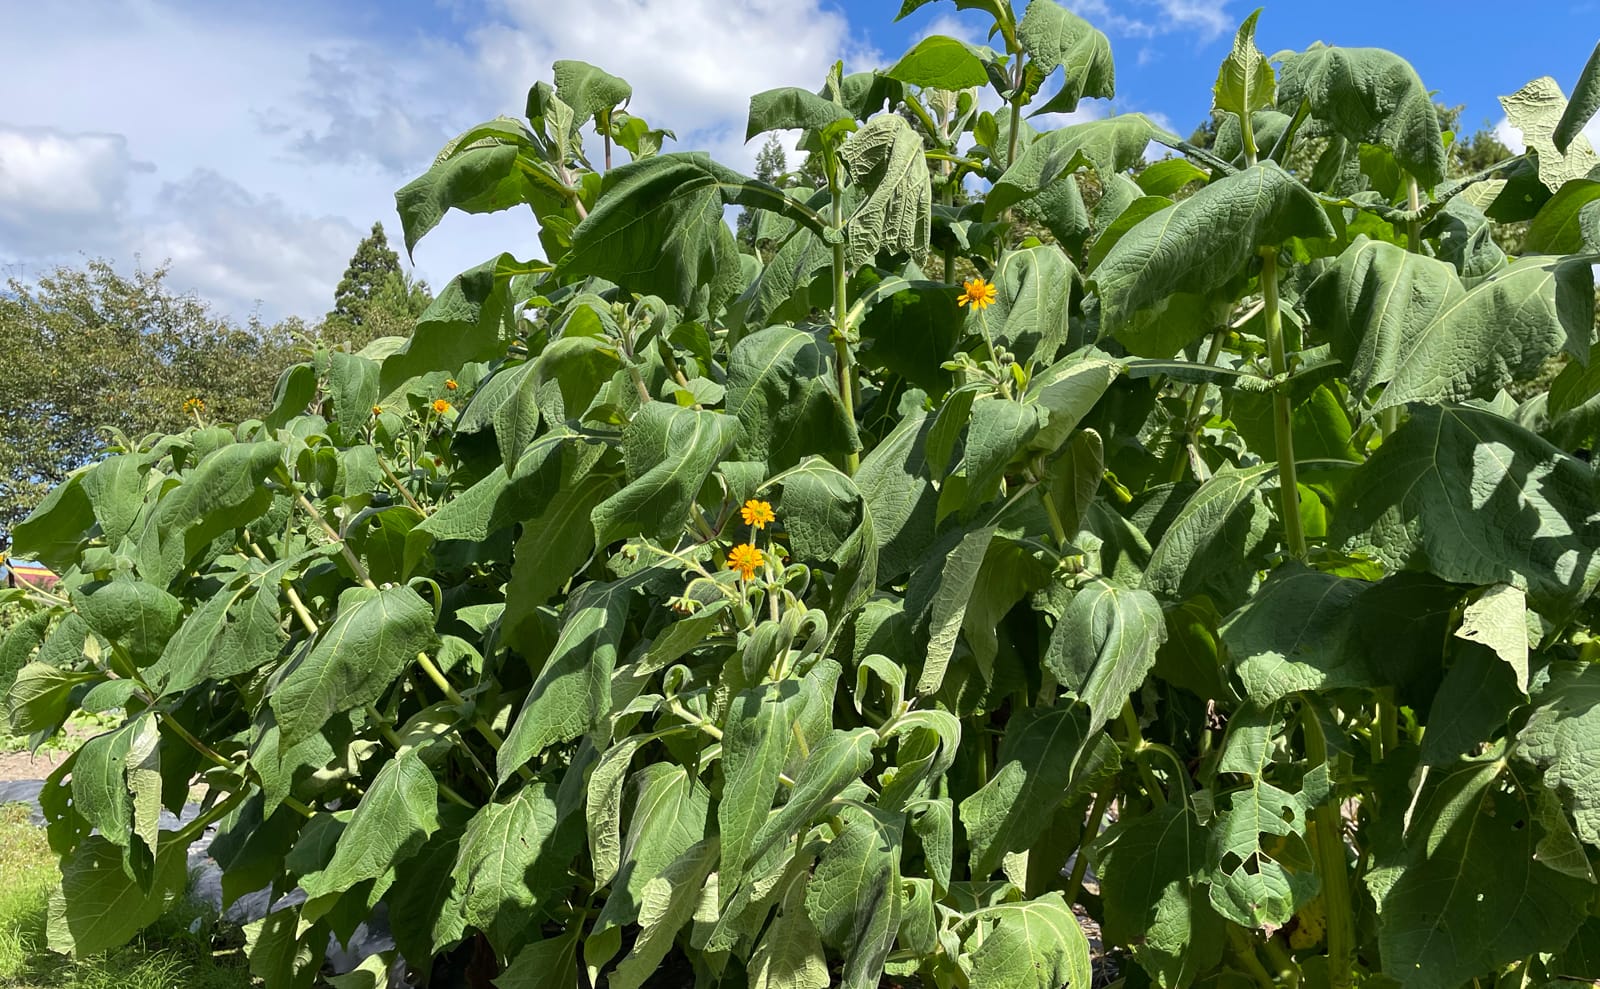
pixel 1282 426
pixel 841 345
pixel 1327 845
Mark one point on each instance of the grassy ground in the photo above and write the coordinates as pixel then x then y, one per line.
pixel 167 956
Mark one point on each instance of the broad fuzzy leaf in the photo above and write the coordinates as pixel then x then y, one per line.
pixel 1372 96
pixel 1204 242
pixel 895 215
pixel 1476 499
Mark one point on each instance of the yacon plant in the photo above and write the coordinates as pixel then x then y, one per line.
pixel 660 614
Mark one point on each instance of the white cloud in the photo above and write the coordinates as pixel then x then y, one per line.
pixel 693 64
pixel 60 190
pixel 1205 19
pixel 253 147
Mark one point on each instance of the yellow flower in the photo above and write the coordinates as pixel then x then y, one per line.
pixel 746 559
pixel 377 410
pixel 978 294
pixel 450 383
pixel 757 513
pixel 195 404
pixel 441 406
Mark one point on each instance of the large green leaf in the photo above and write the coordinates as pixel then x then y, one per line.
pixel 669 817
pixel 53 531
pixel 1104 645
pixel 110 780
pixel 669 452
pixel 755 749
pixel 1109 145
pixel 1558 227
pixel 135 617
pixel 1372 96
pixel 1476 499
pixel 838 761
pixel 791 108
pixel 372 638
pixel 1585 103
pixel 391 823
pixel 588 90
pixel 572 692
pixel 1032 944
pixel 895 215
pixel 1204 242
pixel 1463 894
pixel 1055 37
pixel 1149 869
pixel 1034 771
pixel 658 229
pixel 482 178
pixel 1405 322
pixel 1560 738
pixel 224 492
pixel 1307 630
pixel 98 906
pixel 670 900
pixel 853 898
pixel 472 319
pixel 782 389
pixel 940 62
pixel 1222 522
pixel 509 863
pixel 1536 110
pixel 1032 290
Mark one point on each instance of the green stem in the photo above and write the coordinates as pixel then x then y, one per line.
pixel 1288 973
pixel 1135 744
pixel 1091 829
pixel 841 344
pixel 349 555
pixel 1326 833
pixel 1197 403
pixel 1244 952
pixel 1288 479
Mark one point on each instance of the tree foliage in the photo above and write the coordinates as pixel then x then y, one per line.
pixel 375 297
pixel 660 609
pixel 95 358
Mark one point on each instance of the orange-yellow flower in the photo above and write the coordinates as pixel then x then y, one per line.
pixel 195 404
pixel 450 383
pixel 441 406
pixel 757 513
pixel 377 410
pixel 746 559
pixel 978 294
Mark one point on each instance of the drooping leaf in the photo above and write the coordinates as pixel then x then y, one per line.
pixel 1463 894
pixel 853 898
pixel 1056 37
pixel 1034 772
pixel 1476 499
pixel 669 452
pixel 1205 241
pixel 98 906
pixel 588 90
pixel 1149 870
pixel 391 823
pixel 509 863
pixel 1104 646
pixel 372 638
pixel 1405 322
pixel 573 689
pixel 790 108
pixel 1372 96
pixel 1032 944
pixel 895 216
pixel 782 388
pixel 941 62
pixel 1223 521
pixel 1559 738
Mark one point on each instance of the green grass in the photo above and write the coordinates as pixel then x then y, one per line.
pixel 185 948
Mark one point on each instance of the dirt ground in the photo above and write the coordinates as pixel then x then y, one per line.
pixel 23 766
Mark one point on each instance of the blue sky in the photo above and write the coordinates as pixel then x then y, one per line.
pixel 251 144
